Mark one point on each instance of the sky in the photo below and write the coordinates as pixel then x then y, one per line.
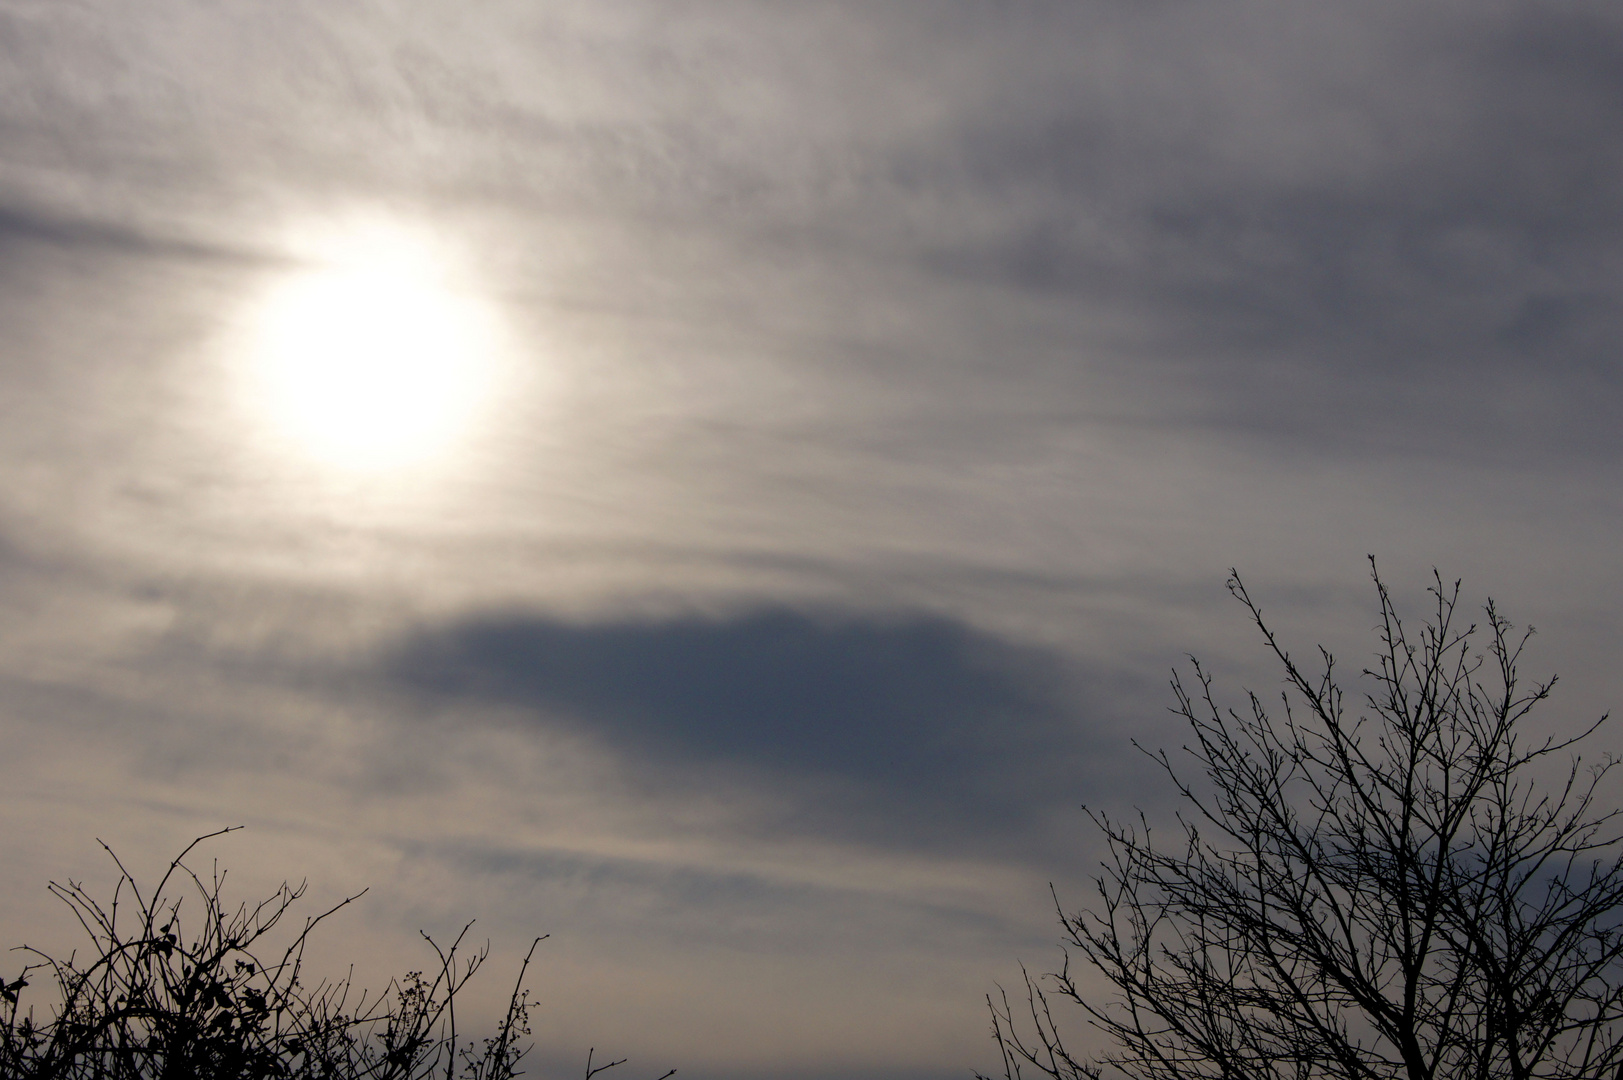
pixel 723 484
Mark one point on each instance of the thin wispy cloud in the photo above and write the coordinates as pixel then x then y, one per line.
pixel 877 400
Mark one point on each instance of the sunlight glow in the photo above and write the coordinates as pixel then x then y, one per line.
pixel 372 358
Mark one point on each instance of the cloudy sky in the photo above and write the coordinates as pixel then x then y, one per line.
pixel 722 483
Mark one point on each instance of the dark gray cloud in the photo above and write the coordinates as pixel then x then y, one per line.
pixel 20 224
pixel 923 718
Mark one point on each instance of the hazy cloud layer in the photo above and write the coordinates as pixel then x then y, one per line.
pixel 885 392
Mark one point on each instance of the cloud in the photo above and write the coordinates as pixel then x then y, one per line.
pixel 748 909
pixel 25 224
pixel 1334 229
pixel 913 711
pixel 1035 317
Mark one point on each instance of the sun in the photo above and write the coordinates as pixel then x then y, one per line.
pixel 372 356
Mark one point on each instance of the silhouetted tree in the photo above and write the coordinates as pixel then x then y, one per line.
pixel 1414 886
pixel 182 985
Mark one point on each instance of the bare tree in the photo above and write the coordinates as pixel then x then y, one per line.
pixel 1412 887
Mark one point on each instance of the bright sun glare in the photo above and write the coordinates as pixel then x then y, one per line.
pixel 373 357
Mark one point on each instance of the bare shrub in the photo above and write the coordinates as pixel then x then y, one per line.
pixel 179 983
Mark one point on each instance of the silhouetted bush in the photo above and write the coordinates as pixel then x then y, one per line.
pixel 179 984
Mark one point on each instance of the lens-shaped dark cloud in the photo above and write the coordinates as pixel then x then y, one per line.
pixel 920 705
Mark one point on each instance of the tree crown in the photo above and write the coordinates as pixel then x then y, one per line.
pixel 1394 890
